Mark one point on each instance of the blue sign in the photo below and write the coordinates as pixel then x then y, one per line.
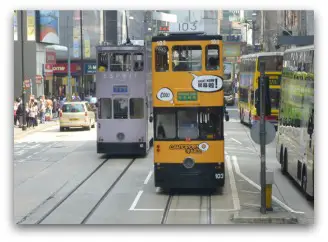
pixel 90 68
pixel 119 89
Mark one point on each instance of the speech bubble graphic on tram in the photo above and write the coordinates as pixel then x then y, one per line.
pixel 203 147
pixel 165 95
pixel 207 83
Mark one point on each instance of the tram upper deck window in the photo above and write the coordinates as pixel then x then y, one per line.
pixel 102 62
pixel 272 63
pixel 120 108
pixel 187 58
pixel 162 59
pixel 138 62
pixel 212 57
pixel 120 62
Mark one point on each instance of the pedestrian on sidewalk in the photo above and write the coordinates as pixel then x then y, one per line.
pixel 20 111
pixel 15 112
pixel 42 109
pixel 33 114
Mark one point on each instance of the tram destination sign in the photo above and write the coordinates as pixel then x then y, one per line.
pixel 187 96
pixel 120 89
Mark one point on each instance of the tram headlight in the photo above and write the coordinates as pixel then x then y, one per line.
pixel 188 162
pixel 120 136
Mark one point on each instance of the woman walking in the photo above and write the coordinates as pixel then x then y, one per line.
pixel 33 114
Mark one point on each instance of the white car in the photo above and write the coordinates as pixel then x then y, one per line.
pixel 76 114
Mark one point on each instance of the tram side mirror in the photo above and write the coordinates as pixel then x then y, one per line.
pixel 151 119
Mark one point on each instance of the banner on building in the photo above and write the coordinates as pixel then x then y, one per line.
pixel 87 53
pixel 76 34
pixel 49 26
pixel 48 70
pixel 50 57
pixel 15 26
pixel 90 68
pixel 30 25
pixel 61 68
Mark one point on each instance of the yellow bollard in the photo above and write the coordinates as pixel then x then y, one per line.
pixel 268 197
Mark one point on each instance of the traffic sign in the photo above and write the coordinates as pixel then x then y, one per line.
pixel 270 132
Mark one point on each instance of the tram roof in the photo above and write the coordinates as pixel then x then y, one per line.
pixel 120 48
pixel 184 37
pixel 262 54
pixel 303 48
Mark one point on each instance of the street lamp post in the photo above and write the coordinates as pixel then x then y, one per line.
pixel 23 85
pixel 253 28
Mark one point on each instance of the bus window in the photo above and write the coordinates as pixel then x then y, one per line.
pixel 165 125
pixel 187 124
pixel 102 62
pixel 105 109
pixel 212 57
pixel 187 58
pixel 136 108
pixel 272 63
pixel 138 62
pixel 161 59
pixel 120 108
pixel 120 62
pixel 275 98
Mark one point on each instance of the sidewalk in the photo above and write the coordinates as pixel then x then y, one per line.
pixel 19 133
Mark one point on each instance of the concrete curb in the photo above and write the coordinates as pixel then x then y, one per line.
pixel 265 219
pixel 44 126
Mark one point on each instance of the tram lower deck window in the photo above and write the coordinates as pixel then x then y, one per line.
pixel 136 108
pixel 120 108
pixel 105 108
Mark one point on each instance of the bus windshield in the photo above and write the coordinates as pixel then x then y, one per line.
pixel 227 71
pixel 272 63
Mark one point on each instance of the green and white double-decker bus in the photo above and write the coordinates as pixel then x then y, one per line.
pixel 295 136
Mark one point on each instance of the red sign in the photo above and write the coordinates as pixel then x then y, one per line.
pixel 27 83
pixel 62 68
pixel 50 57
pixel 164 28
pixel 38 79
pixel 48 70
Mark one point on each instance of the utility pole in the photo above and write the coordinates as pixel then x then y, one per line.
pixel 68 64
pixel 82 64
pixel 262 135
pixel 23 85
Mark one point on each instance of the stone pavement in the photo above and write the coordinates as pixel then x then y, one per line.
pixel 19 133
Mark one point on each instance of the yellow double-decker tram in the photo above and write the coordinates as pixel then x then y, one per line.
pixel 188 108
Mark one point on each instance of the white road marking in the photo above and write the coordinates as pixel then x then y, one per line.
pixel 252 205
pixel 234 148
pixel 250 149
pixel 235 163
pixel 250 192
pixel 134 204
pixel 225 152
pixel 184 210
pixel 234 192
pixel 148 177
pixel 232 109
pixel 236 141
pixel 225 134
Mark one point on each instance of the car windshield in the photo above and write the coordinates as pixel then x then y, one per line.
pixel 73 108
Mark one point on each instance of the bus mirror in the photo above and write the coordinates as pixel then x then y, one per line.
pixel 227 117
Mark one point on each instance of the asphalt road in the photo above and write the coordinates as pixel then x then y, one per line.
pixel 60 179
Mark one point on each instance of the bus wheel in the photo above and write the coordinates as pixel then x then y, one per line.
pixel 281 155
pixel 284 163
pixel 304 179
pixel 241 119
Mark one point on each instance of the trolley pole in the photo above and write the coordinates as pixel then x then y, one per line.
pixel 23 86
pixel 262 136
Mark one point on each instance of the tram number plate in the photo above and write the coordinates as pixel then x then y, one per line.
pixel 219 176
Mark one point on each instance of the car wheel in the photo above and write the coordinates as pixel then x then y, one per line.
pixel 94 124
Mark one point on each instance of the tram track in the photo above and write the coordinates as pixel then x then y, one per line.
pixel 54 208
pixel 207 216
